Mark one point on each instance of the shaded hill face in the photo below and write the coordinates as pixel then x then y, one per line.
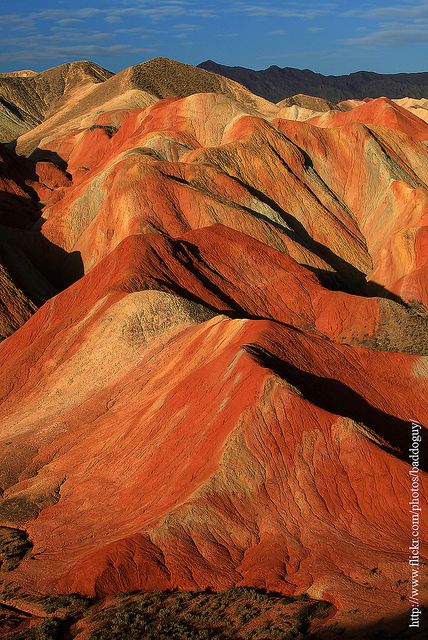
pixel 276 84
pixel 216 343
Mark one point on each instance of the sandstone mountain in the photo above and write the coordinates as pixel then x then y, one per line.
pixel 216 340
pixel 26 98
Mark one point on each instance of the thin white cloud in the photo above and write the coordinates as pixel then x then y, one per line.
pixel 184 27
pixel 59 33
pixel 395 25
pixel 302 11
pixel 66 22
pixel 64 32
pixel 140 29
pixel 153 10
pixel 413 11
pixel 76 52
pixel 39 42
pixel 113 19
pixel 391 38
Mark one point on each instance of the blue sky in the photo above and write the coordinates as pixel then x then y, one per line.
pixel 329 37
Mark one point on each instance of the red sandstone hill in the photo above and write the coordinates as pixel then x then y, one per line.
pixel 215 344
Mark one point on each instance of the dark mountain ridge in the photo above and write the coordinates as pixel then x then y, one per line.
pixel 275 83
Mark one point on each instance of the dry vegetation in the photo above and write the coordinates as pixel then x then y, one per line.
pixel 239 613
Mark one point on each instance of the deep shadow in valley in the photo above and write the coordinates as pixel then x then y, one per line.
pixel 35 263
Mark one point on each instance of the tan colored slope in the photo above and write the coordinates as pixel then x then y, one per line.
pixel 296 112
pixel 24 73
pixel 347 105
pixel 419 108
pixel 83 107
pixel 308 102
pixel 31 98
pixel 12 123
pixel 301 107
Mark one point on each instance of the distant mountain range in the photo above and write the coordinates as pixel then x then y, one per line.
pixel 275 83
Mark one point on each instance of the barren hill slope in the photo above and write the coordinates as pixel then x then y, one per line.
pixel 25 100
